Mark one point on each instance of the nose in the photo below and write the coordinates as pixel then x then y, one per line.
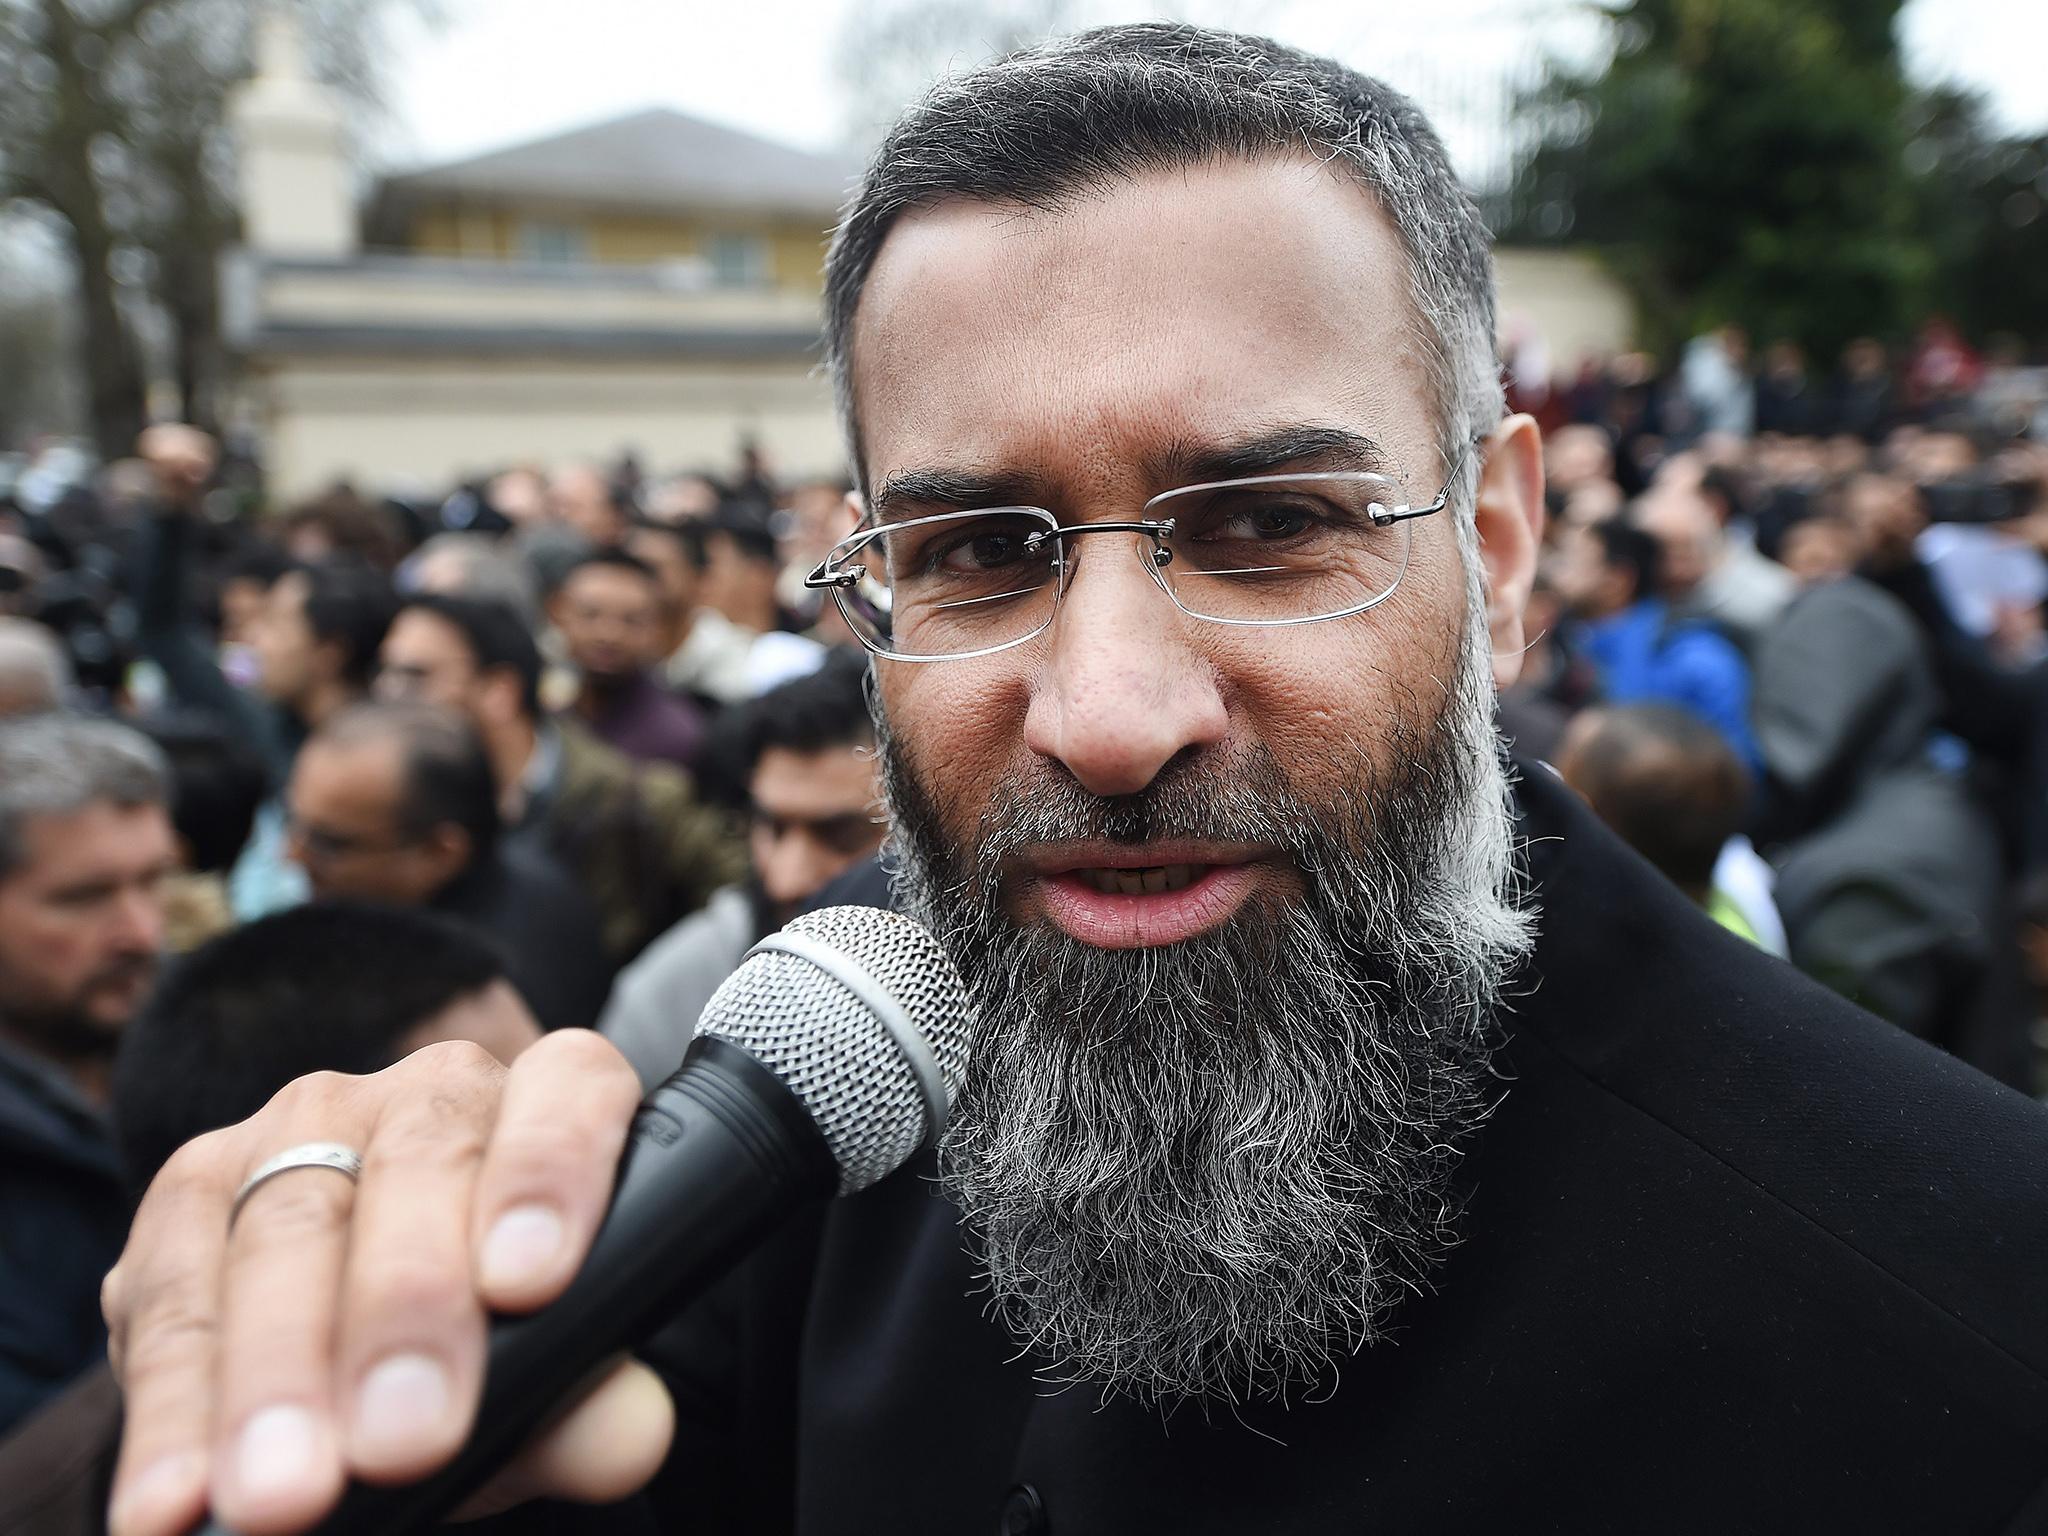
pixel 1126 689
pixel 140 921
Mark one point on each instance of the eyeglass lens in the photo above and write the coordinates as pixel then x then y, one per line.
pixel 1250 553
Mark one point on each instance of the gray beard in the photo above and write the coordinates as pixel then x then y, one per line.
pixel 1211 1170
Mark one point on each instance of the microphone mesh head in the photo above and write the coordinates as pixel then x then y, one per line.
pixel 831 1049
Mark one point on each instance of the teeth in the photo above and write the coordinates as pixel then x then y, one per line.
pixel 1140 882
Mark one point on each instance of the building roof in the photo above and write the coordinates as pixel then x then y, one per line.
pixel 657 158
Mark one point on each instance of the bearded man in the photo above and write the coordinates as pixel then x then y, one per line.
pixel 1365 1141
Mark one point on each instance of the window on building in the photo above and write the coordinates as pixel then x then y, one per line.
pixel 553 242
pixel 738 261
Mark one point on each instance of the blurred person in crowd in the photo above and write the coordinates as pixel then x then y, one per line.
pixel 1670 785
pixel 22 569
pixel 1863 404
pixel 1715 379
pixel 1942 370
pixel 312 647
pixel 1707 572
pixel 584 499
pixel 246 581
pixel 1785 400
pixel 35 672
pixel 519 496
pixel 613 615
pixel 330 987
pixel 475 566
pixel 1608 574
pixel 85 844
pixel 635 836
pixel 1999 712
pixel 396 803
pixel 1890 880
pixel 217 788
pixel 1577 455
pixel 1819 548
pixel 741 564
pixel 803 755
pixel 710 657
pixel 337 525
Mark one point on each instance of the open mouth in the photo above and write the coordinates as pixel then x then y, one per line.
pixel 1152 881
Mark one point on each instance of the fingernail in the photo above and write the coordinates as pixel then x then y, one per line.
pixel 522 1246
pixel 275 1454
pixel 161 1492
pixel 402 1399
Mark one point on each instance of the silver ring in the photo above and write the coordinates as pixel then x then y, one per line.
pixel 310 1154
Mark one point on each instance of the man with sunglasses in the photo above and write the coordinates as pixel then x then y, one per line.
pixel 1362 1137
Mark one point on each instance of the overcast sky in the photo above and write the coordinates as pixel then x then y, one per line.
pixel 498 71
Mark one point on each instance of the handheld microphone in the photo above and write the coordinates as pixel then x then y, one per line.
pixel 820 1066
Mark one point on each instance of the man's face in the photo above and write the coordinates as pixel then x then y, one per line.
pixel 346 831
pixel 288 659
pixel 611 621
pixel 82 925
pixel 1239 313
pixel 1197 877
pixel 1589 586
pixel 735 583
pixel 815 816
pixel 663 553
pixel 426 660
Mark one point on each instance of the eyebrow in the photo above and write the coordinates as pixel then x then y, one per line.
pixel 916 492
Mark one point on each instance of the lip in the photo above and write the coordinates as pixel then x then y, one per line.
pixel 1117 920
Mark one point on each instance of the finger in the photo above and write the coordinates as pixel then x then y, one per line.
pixel 276 1450
pixel 606 1448
pixel 163 1308
pixel 412 1330
pixel 569 1101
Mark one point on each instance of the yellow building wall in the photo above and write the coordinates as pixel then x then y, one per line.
pixel 796 249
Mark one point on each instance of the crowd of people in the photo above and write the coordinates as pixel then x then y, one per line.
pixel 309 791
pixel 553 754
pixel 1788 640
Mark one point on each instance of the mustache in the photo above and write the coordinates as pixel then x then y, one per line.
pixel 1236 795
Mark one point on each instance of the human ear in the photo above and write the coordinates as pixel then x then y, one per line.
pixel 1509 519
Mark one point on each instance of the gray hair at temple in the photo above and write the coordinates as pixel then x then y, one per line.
pixel 56 765
pixel 1042 126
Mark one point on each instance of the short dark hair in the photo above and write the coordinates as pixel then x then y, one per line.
pixel 1667 781
pixel 686 534
pixel 813 713
pixel 747 525
pixel 351 603
pixel 218 782
pixel 258 561
pixel 1624 545
pixel 447 777
pixel 496 636
pixel 1041 126
pixel 332 986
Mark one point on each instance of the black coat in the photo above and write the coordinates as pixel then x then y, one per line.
pixel 1739 1258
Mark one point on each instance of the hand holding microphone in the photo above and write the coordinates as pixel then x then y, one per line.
pixel 339 1333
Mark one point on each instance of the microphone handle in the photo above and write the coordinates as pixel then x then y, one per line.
pixel 717 1157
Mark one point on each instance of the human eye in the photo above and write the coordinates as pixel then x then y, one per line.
pixel 1268 515
pixel 969 549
